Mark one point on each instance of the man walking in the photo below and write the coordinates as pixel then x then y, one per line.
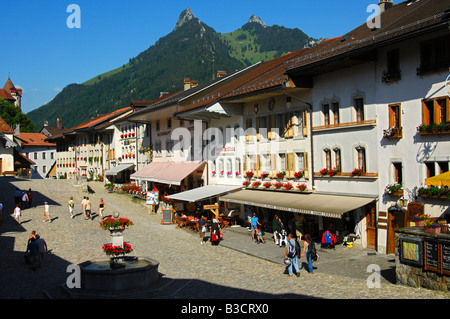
pixel 42 245
pixel 71 206
pixel 88 208
pixel 292 255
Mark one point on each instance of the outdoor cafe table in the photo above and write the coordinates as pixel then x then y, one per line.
pixel 192 224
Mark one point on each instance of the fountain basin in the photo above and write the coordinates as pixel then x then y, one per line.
pixel 98 277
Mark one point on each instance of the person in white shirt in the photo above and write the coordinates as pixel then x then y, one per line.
pixel 17 213
pixel 47 212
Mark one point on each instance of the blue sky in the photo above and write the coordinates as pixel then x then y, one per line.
pixel 43 55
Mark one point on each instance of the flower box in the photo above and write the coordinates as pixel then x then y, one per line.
pixel 299 174
pixel 256 184
pixel 267 184
pixel 246 183
pixel 301 187
pixel 357 172
pixel 249 174
pixel 394 190
pixel 433 230
pixel 393 132
pixel 281 175
pixel 287 186
pixel 264 174
pixel 277 184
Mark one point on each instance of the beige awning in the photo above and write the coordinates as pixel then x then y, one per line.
pixel 205 192
pixel 314 204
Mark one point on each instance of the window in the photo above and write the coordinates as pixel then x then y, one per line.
pixel 326 114
pixel 327 154
pixel 248 128
pixel 398 173
pixel 394 115
pixel 336 112
pixel 359 108
pixel 52 155
pixel 393 66
pixel 43 155
pixel 157 125
pixel 44 169
pixel 337 158
pixel 435 111
pixel 431 171
pixel 434 55
pixel 443 167
pixel 181 123
pixel 169 123
pixel 261 128
pixel 361 152
pixel 35 156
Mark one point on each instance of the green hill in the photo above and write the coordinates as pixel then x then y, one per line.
pixel 192 50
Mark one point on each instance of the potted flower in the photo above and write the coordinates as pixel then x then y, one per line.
pixel 324 171
pixel 249 174
pixel 287 186
pixel 393 132
pixel 256 184
pixel 299 174
pixel 394 189
pixel 229 173
pixel 213 173
pixel 238 173
pixel 334 171
pixel 119 223
pixel 281 174
pixel 301 187
pixel 420 220
pixel 264 174
pixel 357 172
pixel 246 183
pixel 114 251
pixel 431 227
pixel 267 184
pixel 277 184
pixel 221 173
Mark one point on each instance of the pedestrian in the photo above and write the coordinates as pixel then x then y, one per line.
pixel 1 213
pixel 71 206
pixel 88 208
pixel 30 197
pixel 101 207
pixel 17 195
pixel 215 233
pixel 33 250
pixel 42 245
pixel 308 244
pixel 24 200
pixel 83 206
pixel 276 227
pixel 203 229
pixel 291 254
pixel 47 212
pixel 17 213
pixel 259 236
pixel 254 226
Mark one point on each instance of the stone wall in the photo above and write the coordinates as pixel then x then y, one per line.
pixel 417 276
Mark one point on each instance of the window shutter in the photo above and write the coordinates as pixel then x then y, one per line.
pixel 290 166
pixel 258 135
pixel 306 164
pixel 305 122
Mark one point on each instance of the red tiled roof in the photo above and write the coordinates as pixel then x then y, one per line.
pixel 34 139
pixel 400 20
pixel 98 119
pixel 257 78
pixel 5 128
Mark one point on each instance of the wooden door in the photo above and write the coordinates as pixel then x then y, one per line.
pixel 371 226
pixel 396 219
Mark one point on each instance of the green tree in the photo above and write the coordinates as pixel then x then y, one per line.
pixel 13 115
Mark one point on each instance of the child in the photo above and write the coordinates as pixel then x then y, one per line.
pixel 259 235
pixel 71 206
pixel 47 212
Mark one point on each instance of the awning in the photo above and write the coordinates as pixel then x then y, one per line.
pixel 314 204
pixel 117 169
pixel 439 180
pixel 205 192
pixel 167 172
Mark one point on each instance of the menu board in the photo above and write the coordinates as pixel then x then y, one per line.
pixel 431 255
pixel 446 258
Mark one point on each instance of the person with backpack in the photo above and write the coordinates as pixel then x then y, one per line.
pixel 310 248
pixel 292 255
pixel 71 206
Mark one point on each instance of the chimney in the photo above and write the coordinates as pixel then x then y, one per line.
pixel 221 74
pixel 187 83
pixel 45 123
pixel 59 123
pixel 385 5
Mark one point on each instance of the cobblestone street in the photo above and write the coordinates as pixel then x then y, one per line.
pixel 190 270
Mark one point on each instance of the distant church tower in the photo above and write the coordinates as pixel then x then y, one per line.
pixel 11 93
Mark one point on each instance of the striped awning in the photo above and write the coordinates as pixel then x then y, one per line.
pixel 314 204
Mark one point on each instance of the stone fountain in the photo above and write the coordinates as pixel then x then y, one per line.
pixel 119 275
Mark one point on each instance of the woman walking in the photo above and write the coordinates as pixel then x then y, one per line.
pixel 17 213
pixel 307 245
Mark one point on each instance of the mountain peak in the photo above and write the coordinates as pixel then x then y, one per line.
pixel 256 19
pixel 185 16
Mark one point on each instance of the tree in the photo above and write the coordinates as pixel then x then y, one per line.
pixel 13 115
